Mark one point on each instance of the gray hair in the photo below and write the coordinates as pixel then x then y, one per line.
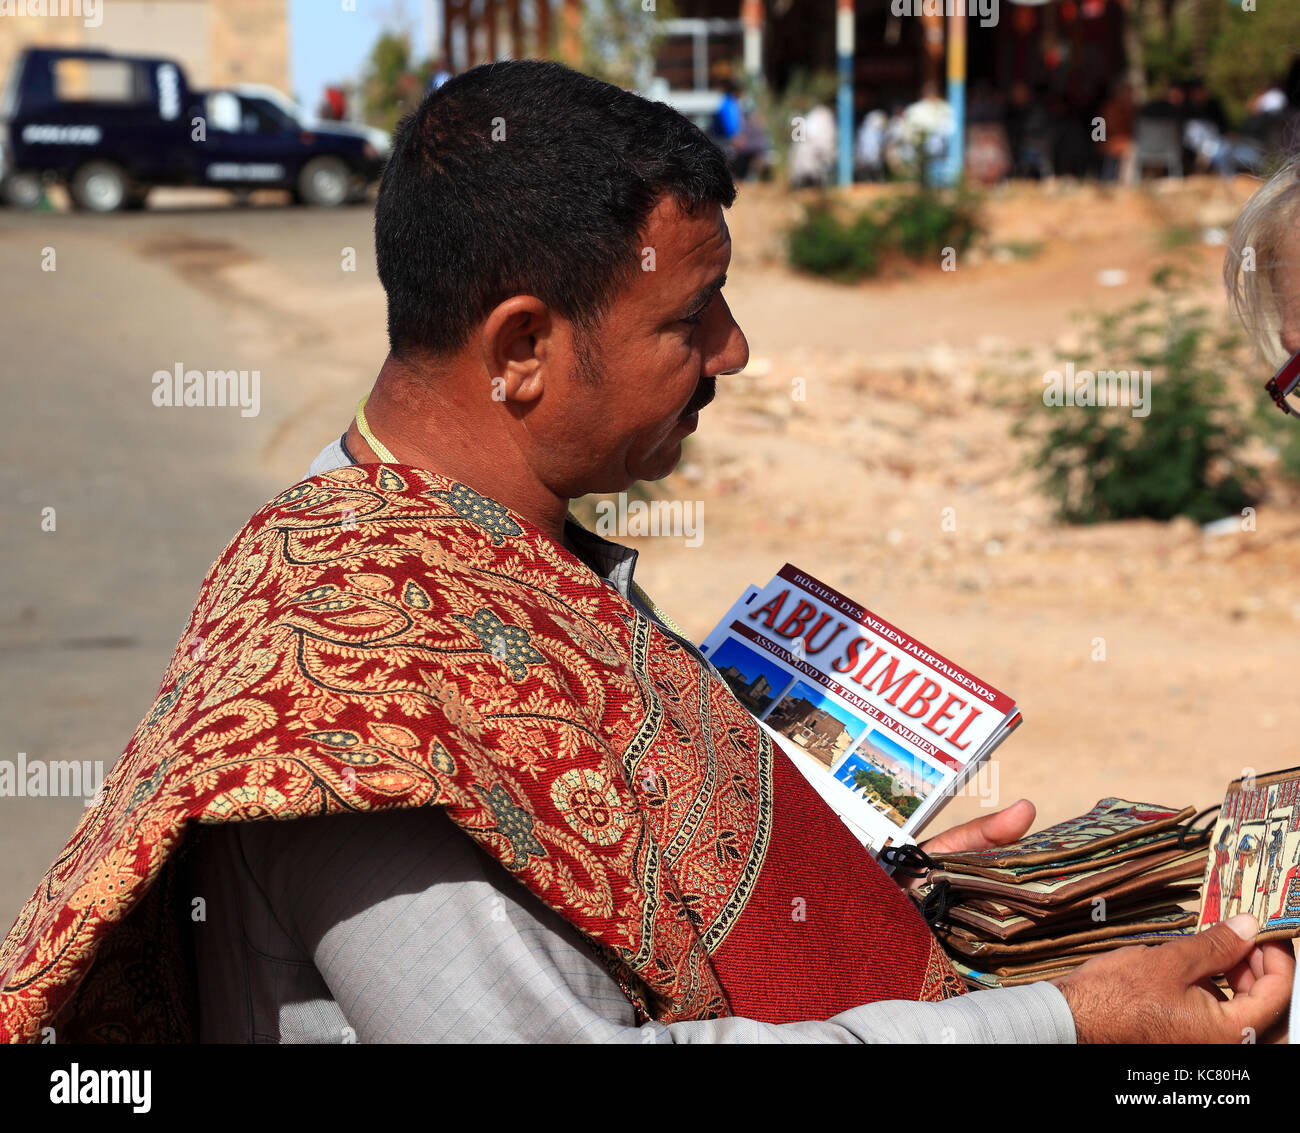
pixel 1255 250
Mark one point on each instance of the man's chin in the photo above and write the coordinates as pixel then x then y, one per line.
pixel 663 465
pixel 669 457
pixel 649 467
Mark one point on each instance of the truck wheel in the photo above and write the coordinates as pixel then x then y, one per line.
pixel 23 190
pixel 323 181
pixel 99 186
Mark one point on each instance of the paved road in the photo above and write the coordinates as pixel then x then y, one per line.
pixel 145 497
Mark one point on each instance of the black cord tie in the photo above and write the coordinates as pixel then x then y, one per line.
pixel 1198 836
pixel 934 905
pixel 908 861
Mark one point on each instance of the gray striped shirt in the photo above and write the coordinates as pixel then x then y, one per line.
pixel 398 927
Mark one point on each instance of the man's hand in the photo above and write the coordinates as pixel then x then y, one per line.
pixel 1009 824
pixel 1164 994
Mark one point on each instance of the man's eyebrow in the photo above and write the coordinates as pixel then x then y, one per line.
pixel 702 297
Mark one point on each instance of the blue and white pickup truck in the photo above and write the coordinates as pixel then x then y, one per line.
pixel 111 127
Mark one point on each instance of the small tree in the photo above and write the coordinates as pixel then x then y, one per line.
pixel 620 39
pixel 1251 47
pixel 392 83
pixel 1103 463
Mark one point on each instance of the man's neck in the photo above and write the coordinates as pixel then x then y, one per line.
pixel 452 449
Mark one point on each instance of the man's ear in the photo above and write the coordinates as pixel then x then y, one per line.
pixel 517 342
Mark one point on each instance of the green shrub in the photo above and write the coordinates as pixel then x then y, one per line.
pixel 1105 464
pixel 917 225
pixel 824 245
pixel 926 222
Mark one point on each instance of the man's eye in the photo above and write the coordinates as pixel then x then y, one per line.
pixel 696 318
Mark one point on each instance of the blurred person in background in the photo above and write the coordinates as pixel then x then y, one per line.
pixel 1074 107
pixel 1168 104
pixel 813 148
pixel 333 106
pixel 1266 129
pixel 739 131
pixel 928 128
pixel 988 152
pixel 1160 133
pixel 898 153
pixel 752 147
pixel 869 151
pixel 1269 98
pixel 1205 128
pixel 729 117
pixel 1118 149
pixel 1029 132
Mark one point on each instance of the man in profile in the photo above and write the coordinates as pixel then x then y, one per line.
pixel 429 763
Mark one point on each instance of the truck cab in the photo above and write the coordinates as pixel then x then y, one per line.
pixel 256 136
pixel 111 127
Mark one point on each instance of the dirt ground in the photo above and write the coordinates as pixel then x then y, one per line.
pixel 902 420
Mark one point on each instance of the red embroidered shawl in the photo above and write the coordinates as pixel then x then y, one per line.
pixel 382 636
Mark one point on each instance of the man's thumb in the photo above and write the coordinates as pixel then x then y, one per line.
pixel 1217 949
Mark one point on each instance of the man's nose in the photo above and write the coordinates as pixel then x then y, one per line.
pixel 734 355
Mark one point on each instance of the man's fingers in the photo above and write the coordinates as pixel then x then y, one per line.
pixel 1253 966
pixel 993 830
pixel 1268 995
pixel 1244 974
pixel 1011 823
pixel 1216 950
pixel 1275 959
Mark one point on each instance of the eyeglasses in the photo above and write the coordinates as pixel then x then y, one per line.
pixel 1283 383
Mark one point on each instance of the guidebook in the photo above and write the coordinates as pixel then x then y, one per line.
pixel 883 727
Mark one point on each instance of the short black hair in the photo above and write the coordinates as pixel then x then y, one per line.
pixel 527 177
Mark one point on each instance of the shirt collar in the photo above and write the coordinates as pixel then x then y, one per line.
pixel 611 561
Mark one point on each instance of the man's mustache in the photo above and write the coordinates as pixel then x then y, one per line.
pixel 704 393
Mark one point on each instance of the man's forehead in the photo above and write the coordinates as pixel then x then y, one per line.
pixel 676 230
pixel 672 231
pixel 682 251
